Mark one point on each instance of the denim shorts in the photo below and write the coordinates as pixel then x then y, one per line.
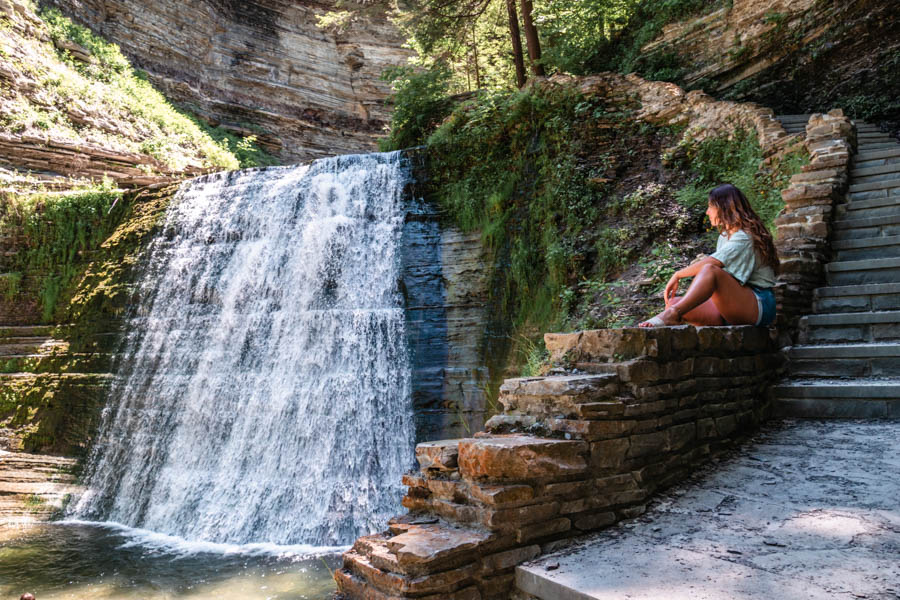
pixel 765 302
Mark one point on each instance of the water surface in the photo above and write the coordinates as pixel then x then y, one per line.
pixel 69 561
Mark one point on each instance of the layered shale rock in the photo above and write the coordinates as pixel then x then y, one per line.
pixel 792 55
pixel 263 64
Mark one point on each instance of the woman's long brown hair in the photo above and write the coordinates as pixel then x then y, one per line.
pixel 736 213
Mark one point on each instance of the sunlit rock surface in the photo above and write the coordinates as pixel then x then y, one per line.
pixel 314 92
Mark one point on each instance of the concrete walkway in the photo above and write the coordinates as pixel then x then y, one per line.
pixel 806 510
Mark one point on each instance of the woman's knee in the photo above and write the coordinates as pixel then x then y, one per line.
pixel 710 269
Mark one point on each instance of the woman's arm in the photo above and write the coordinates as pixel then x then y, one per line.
pixel 685 273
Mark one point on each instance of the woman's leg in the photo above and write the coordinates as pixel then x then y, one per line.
pixel 712 295
pixel 715 289
pixel 705 314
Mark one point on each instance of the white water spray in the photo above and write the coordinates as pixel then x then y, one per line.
pixel 264 389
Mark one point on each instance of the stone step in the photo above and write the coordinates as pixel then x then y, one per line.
pixel 869 134
pixel 824 399
pixel 866 147
pixel 845 360
pixel 867 248
pixel 875 185
pixel 857 298
pixel 867 209
pixel 868 172
pixel 856 205
pixel 871 195
pixel 876 155
pixel 877 162
pixel 849 229
pixel 794 118
pixel 850 327
pixel 861 272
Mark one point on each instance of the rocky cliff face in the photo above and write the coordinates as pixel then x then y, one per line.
pixel 261 67
pixel 791 55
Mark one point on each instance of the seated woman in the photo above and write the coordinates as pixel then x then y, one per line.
pixel 734 285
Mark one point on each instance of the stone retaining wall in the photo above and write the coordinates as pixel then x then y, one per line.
pixel 662 103
pixel 635 411
pixel 803 229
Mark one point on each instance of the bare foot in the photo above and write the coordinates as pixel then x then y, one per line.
pixel 667 317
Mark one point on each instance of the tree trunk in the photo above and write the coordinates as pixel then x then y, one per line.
pixel 531 38
pixel 475 56
pixel 516 42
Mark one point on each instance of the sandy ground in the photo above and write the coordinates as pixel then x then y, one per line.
pixel 805 510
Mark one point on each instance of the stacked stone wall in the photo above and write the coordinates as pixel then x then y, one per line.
pixel 635 411
pixel 804 227
pixel 702 116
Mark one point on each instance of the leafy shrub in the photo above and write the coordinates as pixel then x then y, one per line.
pixel 420 104
pixel 738 159
pixel 510 166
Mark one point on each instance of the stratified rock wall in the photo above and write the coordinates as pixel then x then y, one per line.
pixel 791 55
pixel 264 63
pixel 445 288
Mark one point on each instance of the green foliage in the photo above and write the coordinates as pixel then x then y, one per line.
pixel 470 37
pixel 420 104
pixel 56 230
pixel 659 265
pixel 773 17
pixel 535 357
pixel 109 59
pixel 169 134
pixel 572 30
pixel 508 165
pixel 645 21
pixel 738 159
pixel 33 501
pixel 612 253
pixel 9 285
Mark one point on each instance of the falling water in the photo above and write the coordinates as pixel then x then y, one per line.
pixel 264 388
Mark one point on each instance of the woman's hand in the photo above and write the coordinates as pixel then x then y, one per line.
pixel 671 288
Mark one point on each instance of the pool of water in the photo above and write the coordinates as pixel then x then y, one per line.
pixel 77 560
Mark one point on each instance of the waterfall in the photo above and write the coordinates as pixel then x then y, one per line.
pixel 263 392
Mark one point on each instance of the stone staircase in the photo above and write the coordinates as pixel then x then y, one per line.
pixel 847 362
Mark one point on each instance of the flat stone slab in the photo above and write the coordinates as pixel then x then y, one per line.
pixel 854 290
pixel 887 316
pixel 520 458
pixel 807 510
pixel 427 544
pixel 441 455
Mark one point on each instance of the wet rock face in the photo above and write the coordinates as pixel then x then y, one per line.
pixel 264 63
